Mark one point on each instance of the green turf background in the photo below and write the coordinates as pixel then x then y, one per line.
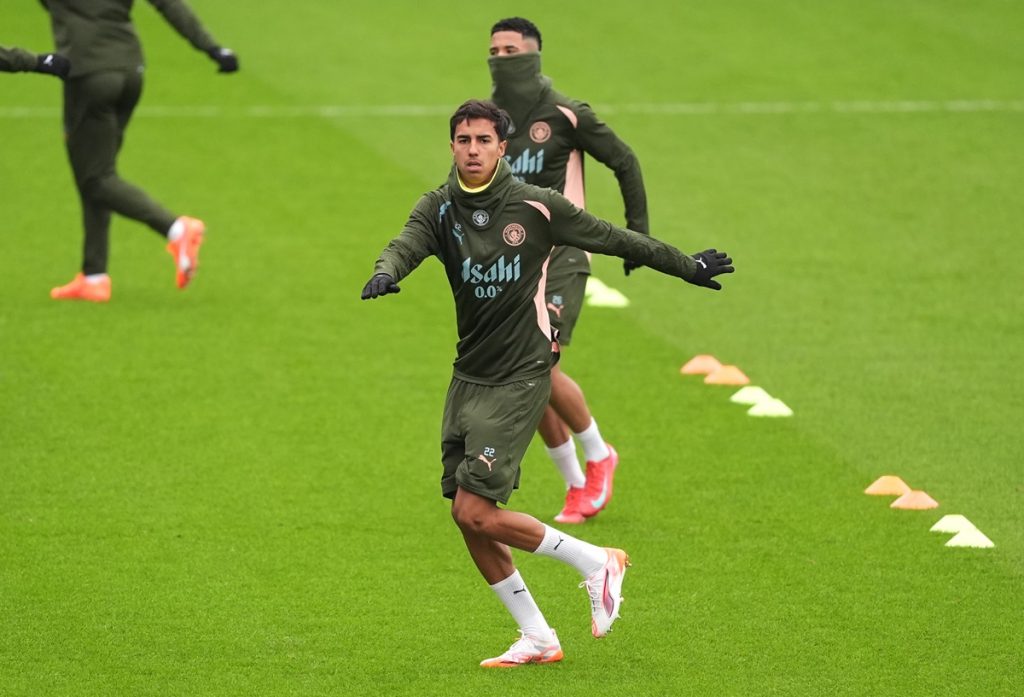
pixel 233 490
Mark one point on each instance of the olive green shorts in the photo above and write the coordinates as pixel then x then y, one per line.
pixel 485 432
pixel 564 298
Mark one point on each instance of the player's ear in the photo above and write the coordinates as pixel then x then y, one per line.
pixel 501 148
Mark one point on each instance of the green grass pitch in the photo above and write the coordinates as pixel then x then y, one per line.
pixel 233 490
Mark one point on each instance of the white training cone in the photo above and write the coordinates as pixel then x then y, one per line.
pixel 953 523
pixel 750 395
pixel 970 538
pixel 600 295
pixel 771 407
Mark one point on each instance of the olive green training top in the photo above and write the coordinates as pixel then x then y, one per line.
pixel 17 60
pixel 495 244
pixel 546 147
pixel 98 35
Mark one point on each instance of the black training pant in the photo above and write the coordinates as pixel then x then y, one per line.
pixel 97 108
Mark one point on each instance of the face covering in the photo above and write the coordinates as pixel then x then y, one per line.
pixel 517 84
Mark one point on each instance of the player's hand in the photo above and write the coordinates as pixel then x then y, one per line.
pixel 381 284
pixel 225 59
pixel 629 266
pixel 710 263
pixel 53 64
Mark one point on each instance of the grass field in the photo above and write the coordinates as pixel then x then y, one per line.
pixel 233 490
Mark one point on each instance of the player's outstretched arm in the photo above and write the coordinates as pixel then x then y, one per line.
pixel 380 284
pixel 710 263
pixel 16 60
pixel 180 16
pixel 576 227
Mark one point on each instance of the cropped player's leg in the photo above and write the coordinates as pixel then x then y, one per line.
pixel 561 448
pixel 570 405
pixel 565 295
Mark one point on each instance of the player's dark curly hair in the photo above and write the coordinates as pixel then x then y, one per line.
pixel 525 27
pixel 482 109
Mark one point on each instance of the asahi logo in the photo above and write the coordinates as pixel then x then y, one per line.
pixel 514 234
pixel 501 271
pixel 527 163
pixel 480 218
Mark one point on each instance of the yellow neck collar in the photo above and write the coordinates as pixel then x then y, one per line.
pixel 480 188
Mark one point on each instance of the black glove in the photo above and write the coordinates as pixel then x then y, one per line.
pixel 225 58
pixel 710 263
pixel 381 284
pixel 53 64
pixel 628 266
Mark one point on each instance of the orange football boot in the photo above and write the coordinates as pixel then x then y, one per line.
pixel 186 250
pixel 82 289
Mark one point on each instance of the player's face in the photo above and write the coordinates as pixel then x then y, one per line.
pixel 509 43
pixel 476 150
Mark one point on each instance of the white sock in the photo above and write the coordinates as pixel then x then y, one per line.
pixel 564 457
pixel 516 597
pixel 176 230
pixel 582 556
pixel 594 447
pixel 96 277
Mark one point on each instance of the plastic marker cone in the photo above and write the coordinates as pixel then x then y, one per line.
pixel 770 407
pixel 952 524
pixel 700 365
pixel 889 485
pixel 594 285
pixel 750 395
pixel 970 538
pixel 727 375
pixel 600 295
pixel 915 500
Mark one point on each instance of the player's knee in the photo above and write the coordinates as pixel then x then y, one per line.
pixel 472 519
pixel 98 187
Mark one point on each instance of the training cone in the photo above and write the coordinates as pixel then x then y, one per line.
pixel 700 365
pixel 952 524
pixel 750 395
pixel 915 500
pixel 727 375
pixel 970 538
pixel 888 485
pixel 600 295
pixel 770 407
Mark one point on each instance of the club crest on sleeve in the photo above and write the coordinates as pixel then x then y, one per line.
pixel 481 217
pixel 540 132
pixel 514 234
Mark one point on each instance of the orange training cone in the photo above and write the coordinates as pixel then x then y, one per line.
pixel 700 365
pixel 889 485
pixel 727 375
pixel 915 500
